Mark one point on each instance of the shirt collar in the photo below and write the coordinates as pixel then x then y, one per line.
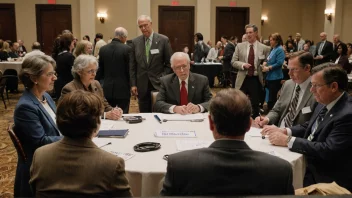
pixel 254 44
pixel 332 104
pixel 150 37
pixel 180 81
pixel 304 85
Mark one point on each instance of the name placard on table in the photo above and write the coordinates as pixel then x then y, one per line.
pixel 175 134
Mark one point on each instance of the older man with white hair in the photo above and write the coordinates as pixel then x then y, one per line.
pixel 182 92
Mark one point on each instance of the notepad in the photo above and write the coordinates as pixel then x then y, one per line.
pixel 121 133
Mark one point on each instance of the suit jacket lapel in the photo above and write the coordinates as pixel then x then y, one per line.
pixel 176 88
pixel 306 95
pixel 191 87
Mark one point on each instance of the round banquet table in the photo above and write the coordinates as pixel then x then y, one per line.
pixel 146 171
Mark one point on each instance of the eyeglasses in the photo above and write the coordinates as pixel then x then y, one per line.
pixel 316 86
pixel 183 67
pixel 51 74
pixel 143 26
pixel 92 71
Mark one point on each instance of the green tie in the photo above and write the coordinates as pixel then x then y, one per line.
pixel 147 49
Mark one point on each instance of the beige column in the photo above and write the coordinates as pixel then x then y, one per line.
pixel 88 16
pixel 143 7
pixel 203 10
pixel 335 26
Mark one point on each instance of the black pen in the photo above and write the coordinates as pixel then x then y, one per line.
pixel 158 119
pixel 261 119
pixel 105 144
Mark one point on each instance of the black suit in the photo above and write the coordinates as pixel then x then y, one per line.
pixel 200 51
pixel 114 69
pixel 328 155
pixel 226 168
pixel 326 52
pixel 146 74
pixel 169 93
pixel 64 63
pixel 227 57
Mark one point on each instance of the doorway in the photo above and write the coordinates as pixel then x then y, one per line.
pixel 8 22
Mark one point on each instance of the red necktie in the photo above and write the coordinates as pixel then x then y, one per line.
pixel 184 95
pixel 251 61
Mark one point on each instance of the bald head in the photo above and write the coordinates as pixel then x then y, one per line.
pixel 336 38
pixel 121 34
pixel 323 36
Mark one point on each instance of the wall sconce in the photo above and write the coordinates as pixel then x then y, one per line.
pixel 328 14
pixel 102 16
pixel 264 18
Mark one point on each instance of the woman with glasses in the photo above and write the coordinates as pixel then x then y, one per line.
pixel 34 116
pixel 84 70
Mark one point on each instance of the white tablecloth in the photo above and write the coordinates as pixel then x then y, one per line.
pixel 146 171
pixel 11 65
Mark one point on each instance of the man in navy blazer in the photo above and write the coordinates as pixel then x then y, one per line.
pixel 34 128
pixel 169 97
pixel 326 139
pixel 228 167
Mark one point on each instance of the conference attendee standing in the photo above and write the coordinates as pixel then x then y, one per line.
pixel 296 102
pixel 247 59
pixel 34 115
pixel 201 49
pixel 64 61
pixel 114 59
pixel 182 92
pixel 229 167
pixel 326 139
pixel 84 71
pixel 75 166
pixel 150 59
pixel 99 42
pixel 324 50
pixel 226 60
pixel 273 68
pixel 299 42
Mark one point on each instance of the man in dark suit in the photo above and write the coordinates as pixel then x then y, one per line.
pixel 337 43
pixel 228 167
pixel 182 92
pixel 201 49
pixel 226 59
pixel 150 59
pixel 296 102
pixel 326 138
pixel 114 69
pixel 323 50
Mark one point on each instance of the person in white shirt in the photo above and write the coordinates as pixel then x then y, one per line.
pixel 36 50
pixel 99 42
pixel 213 53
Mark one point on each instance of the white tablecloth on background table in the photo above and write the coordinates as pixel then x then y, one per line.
pixel 11 65
pixel 145 171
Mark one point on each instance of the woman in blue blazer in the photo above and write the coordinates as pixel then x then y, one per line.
pixel 273 68
pixel 34 116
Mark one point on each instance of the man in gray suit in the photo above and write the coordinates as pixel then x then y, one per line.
pixel 296 102
pixel 182 92
pixel 150 59
pixel 228 167
pixel 247 59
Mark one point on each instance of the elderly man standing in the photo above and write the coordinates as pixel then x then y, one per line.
pixel 326 139
pixel 150 59
pixel 324 50
pixel 228 167
pixel 296 102
pixel 114 59
pixel 299 42
pixel 182 92
pixel 247 59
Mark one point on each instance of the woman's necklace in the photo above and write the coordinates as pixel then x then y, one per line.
pixel 43 100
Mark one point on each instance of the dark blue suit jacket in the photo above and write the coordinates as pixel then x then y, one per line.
pixel 329 153
pixel 34 128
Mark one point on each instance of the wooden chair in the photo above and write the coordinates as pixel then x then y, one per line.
pixel 17 143
pixel 153 95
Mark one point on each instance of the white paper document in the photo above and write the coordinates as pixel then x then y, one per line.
pixel 179 117
pixel 106 124
pixel 100 142
pixel 254 132
pixel 275 153
pixel 125 156
pixel 175 134
pixel 183 145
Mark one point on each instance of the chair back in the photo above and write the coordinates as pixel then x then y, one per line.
pixel 16 142
pixel 12 83
pixel 153 95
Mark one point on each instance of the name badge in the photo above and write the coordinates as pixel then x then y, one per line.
pixel 154 51
pixel 261 57
pixel 306 110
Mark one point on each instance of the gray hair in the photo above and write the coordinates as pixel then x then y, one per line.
pixel 81 62
pixel 34 66
pixel 179 55
pixel 144 17
pixel 255 28
pixel 121 32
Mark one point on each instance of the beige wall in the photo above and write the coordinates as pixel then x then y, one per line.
pixel 346 34
pixel 154 5
pixel 120 13
pixel 26 20
pixel 255 7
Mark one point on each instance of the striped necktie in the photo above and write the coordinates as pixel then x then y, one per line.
pixel 292 109
pixel 319 119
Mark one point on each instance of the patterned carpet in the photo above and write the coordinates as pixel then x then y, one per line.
pixel 8 155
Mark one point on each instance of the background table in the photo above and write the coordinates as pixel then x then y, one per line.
pixel 209 70
pixel 146 171
pixel 11 65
